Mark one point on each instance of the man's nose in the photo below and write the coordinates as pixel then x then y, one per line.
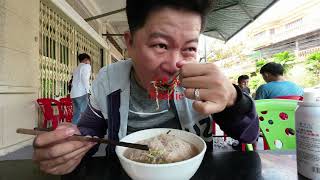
pixel 172 60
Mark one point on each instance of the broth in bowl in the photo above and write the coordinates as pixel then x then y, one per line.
pixel 164 148
pixel 180 151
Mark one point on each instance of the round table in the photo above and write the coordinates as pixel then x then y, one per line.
pixel 267 165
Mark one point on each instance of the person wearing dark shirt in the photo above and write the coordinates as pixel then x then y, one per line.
pixel 243 82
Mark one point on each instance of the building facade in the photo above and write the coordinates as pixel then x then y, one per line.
pixel 39 44
pixel 297 31
pixel 290 25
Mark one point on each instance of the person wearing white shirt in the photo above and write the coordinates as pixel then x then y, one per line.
pixel 80 86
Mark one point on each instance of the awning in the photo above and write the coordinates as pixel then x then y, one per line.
pixel 228 17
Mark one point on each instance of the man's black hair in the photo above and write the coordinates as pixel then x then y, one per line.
pixel 139 10
pixel 272 68
pixel 242 77
pixel 83 56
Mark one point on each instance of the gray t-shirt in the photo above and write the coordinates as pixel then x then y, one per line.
pixel 143 113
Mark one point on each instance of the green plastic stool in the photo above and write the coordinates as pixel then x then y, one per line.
pixel 277 122
pixel 249 147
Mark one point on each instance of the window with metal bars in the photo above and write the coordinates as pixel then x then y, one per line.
pixel 60 42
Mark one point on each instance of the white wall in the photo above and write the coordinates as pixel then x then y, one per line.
pixel 19 65
pixel 19 83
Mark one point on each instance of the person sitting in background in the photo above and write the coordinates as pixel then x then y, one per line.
pixel 243 82
pixel 276 85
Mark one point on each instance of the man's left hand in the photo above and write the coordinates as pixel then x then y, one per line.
pixel 208 86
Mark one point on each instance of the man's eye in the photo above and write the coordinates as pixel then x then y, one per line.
pixel 191 49
pixel 161 46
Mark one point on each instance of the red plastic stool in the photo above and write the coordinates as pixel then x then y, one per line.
pixel 47 106
pixel 299 98
pixel 67 109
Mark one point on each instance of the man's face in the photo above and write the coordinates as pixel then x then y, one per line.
pixel 168 36
pixel 266 77
pixel 244 83
pixel 86 61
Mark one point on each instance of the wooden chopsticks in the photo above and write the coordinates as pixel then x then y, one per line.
pixel 76 137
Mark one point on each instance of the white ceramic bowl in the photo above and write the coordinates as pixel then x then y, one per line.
pixel 182 170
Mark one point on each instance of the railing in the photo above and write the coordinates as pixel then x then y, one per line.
pixel 305 53
pixel 284 34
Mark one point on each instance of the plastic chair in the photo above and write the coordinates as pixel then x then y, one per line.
pixel 299 98
pixel 47 107
pixel 277 122
pixel 244 147
pixel 67 109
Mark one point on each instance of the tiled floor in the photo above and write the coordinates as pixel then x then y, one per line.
pixel 23 153
pixel 26 153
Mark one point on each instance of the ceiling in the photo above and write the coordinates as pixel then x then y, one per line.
pixel 118 20
pixel 226 19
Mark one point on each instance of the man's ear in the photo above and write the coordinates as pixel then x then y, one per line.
pixel 128 39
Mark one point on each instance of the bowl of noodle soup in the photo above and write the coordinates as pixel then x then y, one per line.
pixel 176 155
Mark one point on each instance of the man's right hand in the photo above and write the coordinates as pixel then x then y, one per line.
pixel 57 155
